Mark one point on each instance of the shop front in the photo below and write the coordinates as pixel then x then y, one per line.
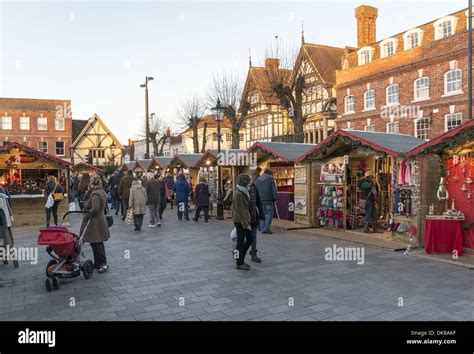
pixel 185 163
pixel 280 158
pixel 335 168
pixel 450 219
pixel 23 173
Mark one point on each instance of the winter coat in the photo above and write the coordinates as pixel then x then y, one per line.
pixel 366 184
pixel 241 212
pixel 137 200
pixel 52 188
pixel 169 182
pixel 266 188
pixel 98 230
pixel 153 192
pixel 255 205
pixel 124 187
pixel 115 182
pixel 201 195
pixel 164 193
pixel 182 189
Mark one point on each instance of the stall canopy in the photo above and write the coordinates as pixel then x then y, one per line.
pixel 349 140
pixel 285 152
pixel 184 160
pixel 459 135
pixel 28 154
pixel 162 161
pixel 85 167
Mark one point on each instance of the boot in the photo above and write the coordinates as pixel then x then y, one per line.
pixel 366 227
pixel 255 258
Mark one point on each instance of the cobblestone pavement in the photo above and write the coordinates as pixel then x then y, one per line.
pixel 185 271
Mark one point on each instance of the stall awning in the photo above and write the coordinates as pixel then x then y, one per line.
pixel 35 153
pixel 82 166
pixel 162 161
pixel 391 144
pixel 463 133
pixel 286 152
pixel 184 160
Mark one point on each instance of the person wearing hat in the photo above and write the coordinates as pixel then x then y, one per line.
pixel 268 195
pixel 369 193
pixel 242 219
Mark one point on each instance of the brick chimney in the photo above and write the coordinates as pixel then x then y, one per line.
pixel 272 62
pixel 366 25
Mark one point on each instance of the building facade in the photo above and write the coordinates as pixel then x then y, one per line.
pixel 45 125
pixel 174 145
pixel 139 149
pixel 266 119
pixel 415 82
pixel 97 145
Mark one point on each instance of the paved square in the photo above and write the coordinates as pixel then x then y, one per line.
pixel 185 271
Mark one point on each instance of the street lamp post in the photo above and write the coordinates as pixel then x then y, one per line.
pixel 147 121
pixel 219 116
pixel 113 146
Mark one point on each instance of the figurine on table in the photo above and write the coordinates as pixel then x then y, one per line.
pixel 443 196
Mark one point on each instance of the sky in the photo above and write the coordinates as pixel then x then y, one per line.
pixel 97 53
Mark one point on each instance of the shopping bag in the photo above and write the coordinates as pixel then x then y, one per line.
pixel 129 217
pixel 233 234
pixel 49 201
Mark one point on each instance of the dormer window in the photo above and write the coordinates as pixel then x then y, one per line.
pixel 412 38
pixel 388 47
pixel 445 27
pixel 365 55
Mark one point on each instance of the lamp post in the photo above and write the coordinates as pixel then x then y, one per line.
pixel 113 146
pixel 219 116
pixel 147 121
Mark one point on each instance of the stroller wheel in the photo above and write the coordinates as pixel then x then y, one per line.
pixel 50 263
pixel 88 269
pixel 55 282
pixel 49 284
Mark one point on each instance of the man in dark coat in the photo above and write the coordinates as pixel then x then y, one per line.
pixel 124 191
pixel 201 198
pixel 170 183
pixel 268 195
pixel 182 189
pixel 153 192
pixel 113 188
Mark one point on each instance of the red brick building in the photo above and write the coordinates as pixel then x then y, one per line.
pixel 415 82
pixel 45 125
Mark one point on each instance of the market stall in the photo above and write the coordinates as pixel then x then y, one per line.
pixel 338 164
pixel 185 163
pixel 453 211
pixel 24 172
pixel 280 158
pixel 83 167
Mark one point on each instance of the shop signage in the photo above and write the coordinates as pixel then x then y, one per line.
pixel 300 206
pixel 300 174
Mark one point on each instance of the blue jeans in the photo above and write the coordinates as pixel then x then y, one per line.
pixel 268 212
pixel 254 237
pixel 182 208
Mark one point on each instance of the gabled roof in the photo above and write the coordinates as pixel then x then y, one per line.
pixel 391 144
pixel 287 152
pixel 185 160
pixel 92 120
pixel 441 142
pixel 162 161
pixel 324 59
pixel 82 166
pixel 77 127
pixel 211 123
pixel 36 153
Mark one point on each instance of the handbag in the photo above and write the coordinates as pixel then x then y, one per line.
pixel 57 196
pixel 363 202
pixel 49 201
pixel 129 217
pixel 110 218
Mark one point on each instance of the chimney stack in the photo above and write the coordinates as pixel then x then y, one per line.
pixel 366 25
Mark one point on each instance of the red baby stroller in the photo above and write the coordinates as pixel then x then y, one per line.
pixel 68 257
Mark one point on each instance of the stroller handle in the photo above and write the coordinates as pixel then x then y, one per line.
pixel 73 212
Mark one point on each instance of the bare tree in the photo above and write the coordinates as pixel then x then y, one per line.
pixel 228 89
pixel 159 135
pixel 287 86
pixel 190 113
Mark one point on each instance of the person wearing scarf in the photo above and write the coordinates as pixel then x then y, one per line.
pixel 241 218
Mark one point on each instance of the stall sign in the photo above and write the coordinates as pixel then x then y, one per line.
pixel 300 190
pixel 333 170
pixel 300 174
pixel 300 206
pixel 22 158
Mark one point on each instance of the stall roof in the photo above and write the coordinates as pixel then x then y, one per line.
pixel 283 151
pixel 85 166
pixel 392 144
pixel 162 161
pixel 212 153
pixel 442 141
pixel 36 153
pixel 187 160
pixel 145 163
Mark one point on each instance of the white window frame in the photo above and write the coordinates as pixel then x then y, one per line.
pixel 394 123
pixel 345 104
pixel 415 122
pixel 56 148
pixel 42 142
pixel 38 123
pixel 416 92
pixel 361 54
pixel 2 123
pixel 438 29
pixel 22 124
pixel 407 44
pixel 56 120
pixel 450 115
pixel 366 108
pixel 369 128
pixel 384 47
pixel 391 104
pixel 456 92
